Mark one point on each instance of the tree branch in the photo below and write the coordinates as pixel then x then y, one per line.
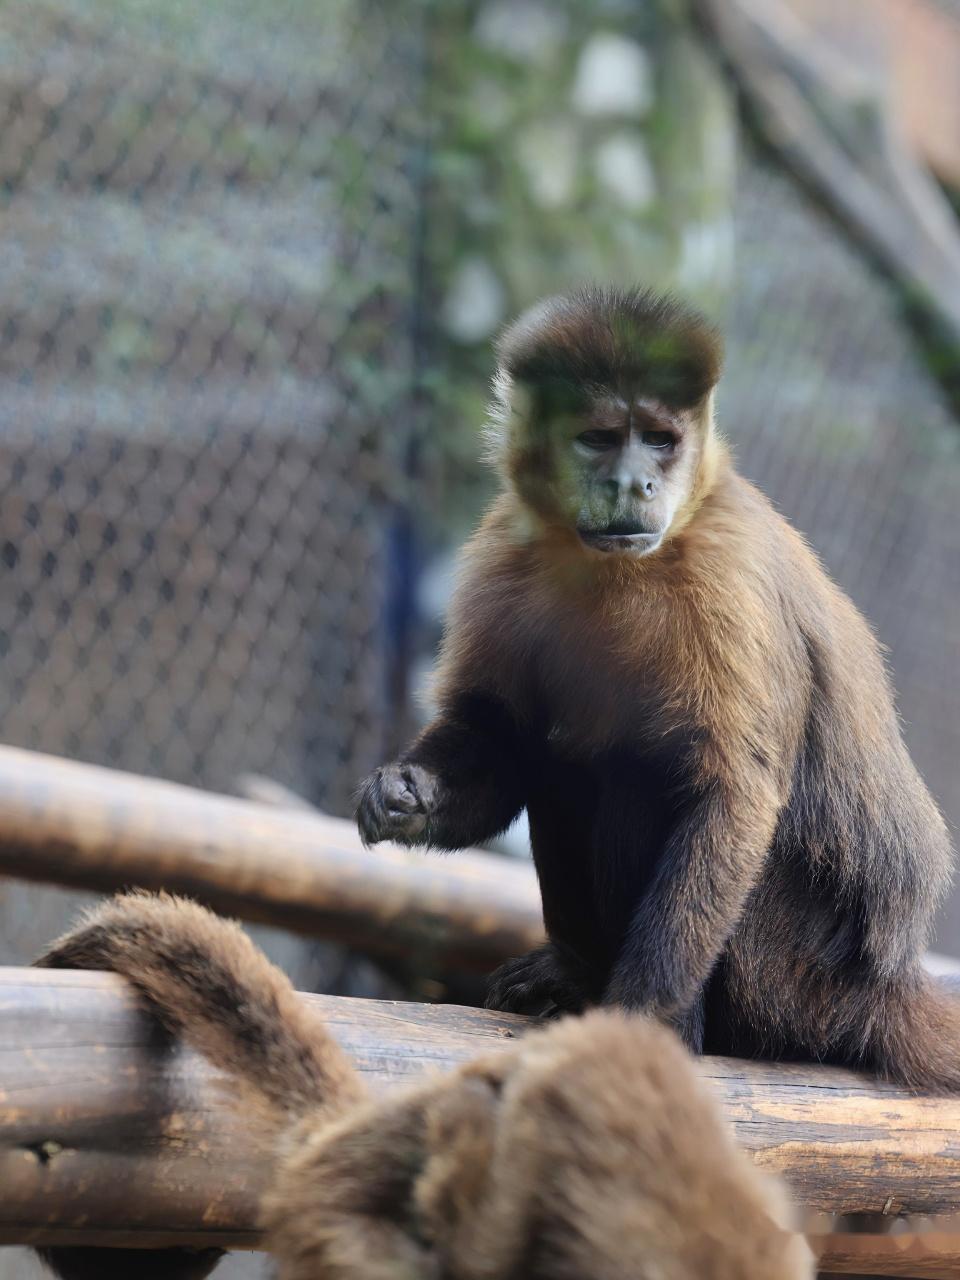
pixel 831 127
pixel 93 828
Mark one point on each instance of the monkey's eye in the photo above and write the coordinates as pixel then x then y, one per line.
pixel 659 439
pixel 600 439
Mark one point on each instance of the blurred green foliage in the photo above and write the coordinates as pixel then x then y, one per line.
pixel 570 143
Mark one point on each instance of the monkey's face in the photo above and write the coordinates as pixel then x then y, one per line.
pixel 631 466
pixel 602 416
pixel 616 469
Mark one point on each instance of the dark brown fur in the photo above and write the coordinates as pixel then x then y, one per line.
pixel 607 338
pixel 727 827
pixel 588 1150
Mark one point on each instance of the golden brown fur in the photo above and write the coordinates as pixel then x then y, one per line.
pixel 587 1152
pixel 727 828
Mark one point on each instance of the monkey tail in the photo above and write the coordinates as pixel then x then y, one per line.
pixel 207 982
pixel 917 1043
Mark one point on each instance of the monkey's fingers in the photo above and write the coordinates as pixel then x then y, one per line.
pixel 394 804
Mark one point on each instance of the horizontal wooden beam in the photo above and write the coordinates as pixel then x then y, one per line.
pixel 110 1136
pixel 929 1255
pixel 91 828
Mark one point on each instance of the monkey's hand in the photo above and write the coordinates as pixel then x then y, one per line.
pixel 395 803
pixel 545 980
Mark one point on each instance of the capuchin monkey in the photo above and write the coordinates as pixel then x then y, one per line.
pixel 728 831
pixel 587 1150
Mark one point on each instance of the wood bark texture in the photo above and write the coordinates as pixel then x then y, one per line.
pixel 110 1134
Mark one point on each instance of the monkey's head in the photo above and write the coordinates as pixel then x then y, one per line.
pixel 602 420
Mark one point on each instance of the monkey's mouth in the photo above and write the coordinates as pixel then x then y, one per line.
pixel 621 536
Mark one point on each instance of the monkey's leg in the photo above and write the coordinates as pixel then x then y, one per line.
pixel 548 974
pixel 914 1035
pixel 690 1025
pixel 459 783
pixel 686 916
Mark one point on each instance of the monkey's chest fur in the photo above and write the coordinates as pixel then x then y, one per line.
pixel 639 698
pixel 609 773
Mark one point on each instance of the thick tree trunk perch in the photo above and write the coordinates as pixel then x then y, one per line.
pixel 110 1136
pixel 91 828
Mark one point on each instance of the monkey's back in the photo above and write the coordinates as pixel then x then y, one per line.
pixel 861 858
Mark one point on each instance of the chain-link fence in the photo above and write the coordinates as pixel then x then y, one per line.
pixel 207 243
pixel 208 217
pixel 214 228
pixel 212 219
pixel 832 411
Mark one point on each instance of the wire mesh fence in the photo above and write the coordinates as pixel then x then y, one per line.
pixel 213 226
pixel 832 411
pixel 207 236
pixel 212 217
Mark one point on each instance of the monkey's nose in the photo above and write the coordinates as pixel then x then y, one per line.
pixel 638 486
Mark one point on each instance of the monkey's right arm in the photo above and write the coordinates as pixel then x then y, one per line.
pixel 460 783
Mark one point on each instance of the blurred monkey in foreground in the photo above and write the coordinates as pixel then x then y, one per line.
pixel 587 1150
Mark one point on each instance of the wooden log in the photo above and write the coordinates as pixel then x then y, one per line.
pixel 110 1136
pixel 92 828
pixel 924 1255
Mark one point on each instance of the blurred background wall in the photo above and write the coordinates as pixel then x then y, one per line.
pixel 253 258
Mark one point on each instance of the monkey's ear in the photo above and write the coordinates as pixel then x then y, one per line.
pixel 508 413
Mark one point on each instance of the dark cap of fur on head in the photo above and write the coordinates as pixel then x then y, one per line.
pixel 619 340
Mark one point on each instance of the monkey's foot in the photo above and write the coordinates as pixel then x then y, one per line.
pixel 542 981
pixel 394 804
